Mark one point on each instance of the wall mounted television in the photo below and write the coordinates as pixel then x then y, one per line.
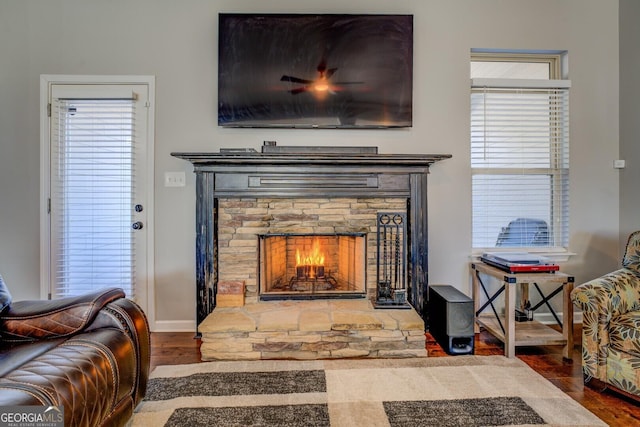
pixel 315 70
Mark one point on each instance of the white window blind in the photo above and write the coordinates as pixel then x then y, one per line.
pixel 520 162
pixel 91 195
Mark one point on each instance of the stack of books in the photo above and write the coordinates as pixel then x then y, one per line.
pixel 519 262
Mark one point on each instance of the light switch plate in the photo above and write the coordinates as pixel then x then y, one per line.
pixel 619 164
pixel 175 179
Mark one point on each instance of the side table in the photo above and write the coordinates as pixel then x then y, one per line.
pixel 505 327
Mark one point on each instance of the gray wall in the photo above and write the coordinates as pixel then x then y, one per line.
pixel 176 42
pixel 19 156
pixel 629 117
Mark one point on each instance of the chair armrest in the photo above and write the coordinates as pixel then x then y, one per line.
pixel 134 321
pixel 600 300
pixel 43 319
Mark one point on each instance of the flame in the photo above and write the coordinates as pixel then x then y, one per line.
pixel 314 257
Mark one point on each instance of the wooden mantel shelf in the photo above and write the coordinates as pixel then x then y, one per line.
pixel 362 159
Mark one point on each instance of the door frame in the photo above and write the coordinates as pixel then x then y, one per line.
pixel 46 81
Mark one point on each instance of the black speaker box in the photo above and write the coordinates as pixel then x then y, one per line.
pixel 451 319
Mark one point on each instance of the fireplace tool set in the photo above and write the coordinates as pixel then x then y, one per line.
pixel 391 289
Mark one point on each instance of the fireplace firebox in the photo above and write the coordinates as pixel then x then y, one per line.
pixel 308 266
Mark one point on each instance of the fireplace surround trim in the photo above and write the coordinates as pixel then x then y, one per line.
pixel 308 175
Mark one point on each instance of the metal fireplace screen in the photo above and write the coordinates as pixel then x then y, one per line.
pixel 303 266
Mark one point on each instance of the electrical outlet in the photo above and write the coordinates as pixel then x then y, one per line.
pixel 175 179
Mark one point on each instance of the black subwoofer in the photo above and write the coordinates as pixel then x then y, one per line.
pixel 451 319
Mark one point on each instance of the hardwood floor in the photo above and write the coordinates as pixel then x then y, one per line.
pixel 615 410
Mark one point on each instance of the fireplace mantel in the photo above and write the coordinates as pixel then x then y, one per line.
pixel 314 173
pixel 316 158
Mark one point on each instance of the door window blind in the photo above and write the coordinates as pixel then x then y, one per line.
pixel 520 162
pixel 91 195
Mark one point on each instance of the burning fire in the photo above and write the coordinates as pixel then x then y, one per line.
pixel 310 264
pixel 313 257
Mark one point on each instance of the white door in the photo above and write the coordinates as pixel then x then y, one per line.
pixel 98 202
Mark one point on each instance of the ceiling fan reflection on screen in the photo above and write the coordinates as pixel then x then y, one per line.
pixel 320 86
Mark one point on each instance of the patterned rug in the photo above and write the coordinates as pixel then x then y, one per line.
pixel 444 391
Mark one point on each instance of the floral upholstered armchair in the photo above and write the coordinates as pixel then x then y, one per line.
pixel 611 324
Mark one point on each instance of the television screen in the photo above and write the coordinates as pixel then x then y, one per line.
pixel 315 71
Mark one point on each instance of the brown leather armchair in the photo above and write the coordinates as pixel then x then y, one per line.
pixel 89 354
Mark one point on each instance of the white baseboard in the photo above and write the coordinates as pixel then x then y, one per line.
pixel 173 326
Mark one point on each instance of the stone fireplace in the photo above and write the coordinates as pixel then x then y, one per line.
pixel 295 223
pixel 251 231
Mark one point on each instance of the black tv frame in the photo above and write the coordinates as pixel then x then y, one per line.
pixel 271 69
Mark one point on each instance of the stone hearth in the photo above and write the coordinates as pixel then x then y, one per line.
pixel 318 329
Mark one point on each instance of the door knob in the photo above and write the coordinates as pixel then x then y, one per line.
pixel 137 225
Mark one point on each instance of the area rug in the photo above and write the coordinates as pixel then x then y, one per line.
pixel 444 391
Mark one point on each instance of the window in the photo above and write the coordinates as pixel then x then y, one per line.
pixel 93 195
pixel 519 151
